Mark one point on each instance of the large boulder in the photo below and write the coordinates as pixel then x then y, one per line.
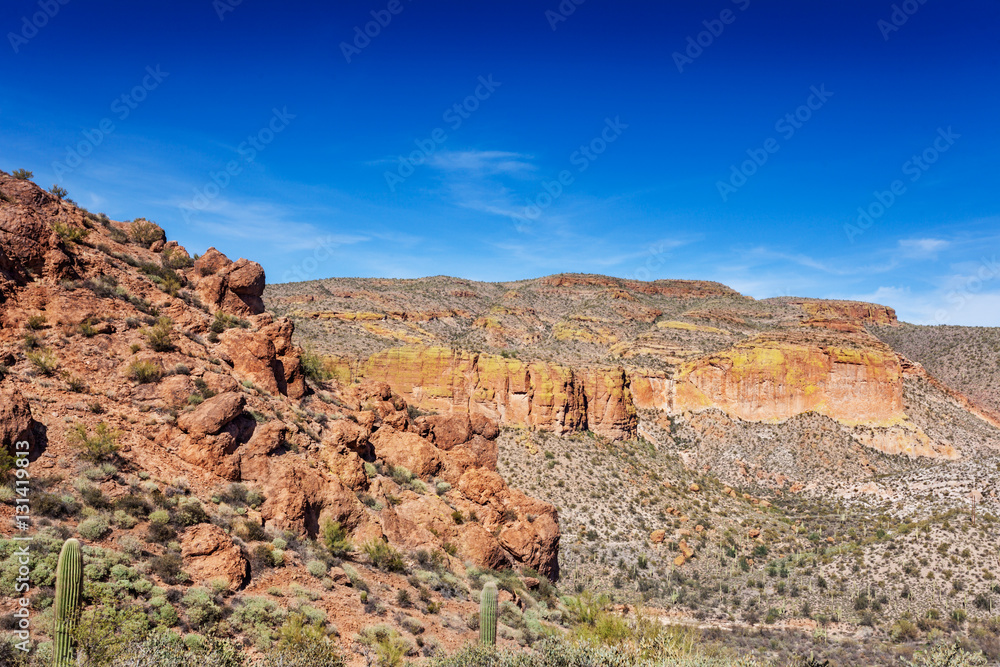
pixel 211 263
pixel 232 287
pixel 211 554
pixel 408 450
pixel 16 423
pixel 211 417
pixel 253 357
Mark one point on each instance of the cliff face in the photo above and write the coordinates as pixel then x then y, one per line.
pixel 857 383
pixel 768 380
pixel 537 394
pixel 845 315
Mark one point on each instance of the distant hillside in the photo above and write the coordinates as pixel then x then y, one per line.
pixel 964 358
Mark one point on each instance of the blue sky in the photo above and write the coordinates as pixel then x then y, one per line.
pixel 729 140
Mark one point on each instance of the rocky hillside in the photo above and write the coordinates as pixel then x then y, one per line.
pixel 964 358
pixel 576 353
pixel 172 425
pixel 720 457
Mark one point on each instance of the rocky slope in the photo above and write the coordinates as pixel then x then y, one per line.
pixel 964 358
pixel 159 376
pixel 577 353
pixel 731 457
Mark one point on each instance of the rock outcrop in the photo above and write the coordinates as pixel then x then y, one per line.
pixel 212 399
pixel 209 554
pixel 540 395
pixel 232 287
pixel 16 423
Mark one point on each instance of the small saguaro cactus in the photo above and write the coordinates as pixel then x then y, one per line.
pixel 488 614
pixel 69 591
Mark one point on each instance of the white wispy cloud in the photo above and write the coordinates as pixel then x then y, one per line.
pixel 928 247
pixel 483 162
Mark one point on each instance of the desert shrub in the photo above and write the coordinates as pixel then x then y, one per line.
pixel 58 191
pixel 76 384
pixel 35 322
pixel 265 556
pixel 383 556
pixel 22 174
pixel 44 361
pixel 336 540
pixel 317 568
pixel 93 528
pixel 167 567
pixel 101 446
pixel 144 372
pixel 134 505
pixel 202 611
pixel 311 653
pixel 250 531
pixel 145 233
pixel 175 259
pixel 93 496
pixel 69 234
pixel 158 335
pixel 389 647
pixel 190 513
pixel 314 366
pixel 130 546
pixel 160 533
pixel 945 656
pixel 54 506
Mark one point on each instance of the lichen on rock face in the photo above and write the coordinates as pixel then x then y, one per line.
pixel 772 380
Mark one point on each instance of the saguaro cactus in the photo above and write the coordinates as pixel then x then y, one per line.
pixel 69 591
pixel 488 614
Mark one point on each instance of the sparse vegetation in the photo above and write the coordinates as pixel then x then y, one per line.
pixel 100 446
pixel 145 233
pixel 144 372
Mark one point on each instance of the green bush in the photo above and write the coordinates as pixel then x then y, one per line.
pixel 158 335
pixel 383 556
pixel 144 372
pixel 101 446
pixel 22 174
pixel 314 365
pixel 69 234
pixel 44 361
pixel 93 528
pixel 336 540
pixel 58 191
pixel 202 611
pixel 390 648
pixel 145 233
pixel 35 322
